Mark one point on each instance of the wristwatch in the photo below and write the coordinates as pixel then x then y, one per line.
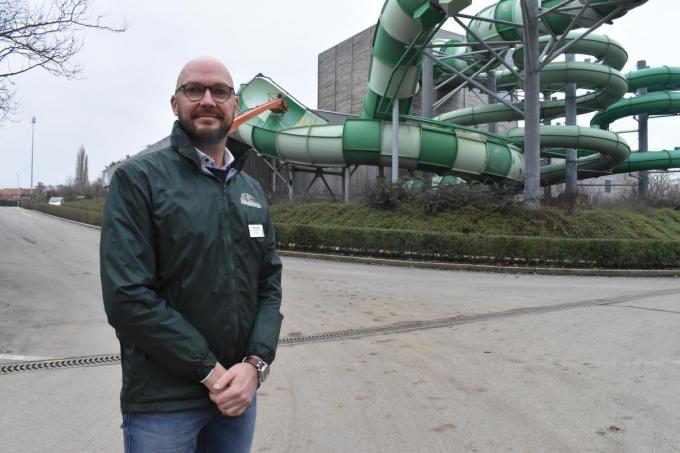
pixel 259 364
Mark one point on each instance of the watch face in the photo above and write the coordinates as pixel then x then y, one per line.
pixel 264 371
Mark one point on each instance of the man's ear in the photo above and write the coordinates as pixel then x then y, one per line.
pixel 173 104
pixel 235 105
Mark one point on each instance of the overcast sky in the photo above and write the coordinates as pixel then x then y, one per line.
pixel 121 104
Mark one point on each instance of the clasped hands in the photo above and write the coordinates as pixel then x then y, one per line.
pixel 232 390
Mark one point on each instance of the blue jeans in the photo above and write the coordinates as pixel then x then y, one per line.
pixel 194 431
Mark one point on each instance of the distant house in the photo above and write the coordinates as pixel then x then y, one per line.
pixel 14 194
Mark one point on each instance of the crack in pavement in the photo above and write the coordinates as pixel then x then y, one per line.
pixel 466 319
pixel 646 308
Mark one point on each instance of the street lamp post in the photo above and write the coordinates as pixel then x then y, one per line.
pixel 33 121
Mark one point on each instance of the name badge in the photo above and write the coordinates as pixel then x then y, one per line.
pixel 256 231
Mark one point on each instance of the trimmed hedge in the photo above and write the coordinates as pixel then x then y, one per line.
pixel 75 214
pixel 471 248
pixel 519 250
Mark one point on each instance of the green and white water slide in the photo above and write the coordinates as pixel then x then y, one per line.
pixel 451 143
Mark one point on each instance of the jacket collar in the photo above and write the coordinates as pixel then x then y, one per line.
pixel 180 142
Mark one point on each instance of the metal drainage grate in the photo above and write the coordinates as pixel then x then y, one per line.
pixel 408 326
pixel 73 362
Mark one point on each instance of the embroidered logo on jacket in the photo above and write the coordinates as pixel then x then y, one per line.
pixel 250 200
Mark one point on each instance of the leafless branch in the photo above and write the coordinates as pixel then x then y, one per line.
pixel 44 37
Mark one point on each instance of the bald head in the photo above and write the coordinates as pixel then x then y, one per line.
pixel 204 67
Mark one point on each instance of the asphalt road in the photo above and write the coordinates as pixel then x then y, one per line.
pixel 412 360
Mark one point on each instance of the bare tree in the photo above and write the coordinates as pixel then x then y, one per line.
pixel 81 181
pixel 39 191
pixel 46 36
pixel 660 185
pixel 664 190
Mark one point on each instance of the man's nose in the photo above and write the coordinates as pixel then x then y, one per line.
pixel 207 98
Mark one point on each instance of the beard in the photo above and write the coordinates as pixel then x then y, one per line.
pixel 204 137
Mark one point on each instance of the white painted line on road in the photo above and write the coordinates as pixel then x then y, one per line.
pixel 23 358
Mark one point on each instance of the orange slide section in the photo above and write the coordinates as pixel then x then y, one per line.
pixel 278 105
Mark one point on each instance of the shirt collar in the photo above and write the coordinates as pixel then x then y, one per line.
pixel 209 162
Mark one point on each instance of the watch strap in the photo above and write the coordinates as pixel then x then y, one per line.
pixel 260 365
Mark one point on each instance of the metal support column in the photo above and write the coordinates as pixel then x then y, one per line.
pixel 346 174
pixel 272 175
pixel 291 182
pixel 491 85
pixel 643 140
pixel 532 119
pixel 547 189
pixel 395 141
pixel 571 154
pixel 427 98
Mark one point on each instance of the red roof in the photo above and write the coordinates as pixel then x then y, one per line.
pixel 11 194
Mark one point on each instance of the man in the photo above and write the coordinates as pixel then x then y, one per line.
pixel 191 280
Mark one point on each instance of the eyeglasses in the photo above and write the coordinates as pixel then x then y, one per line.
pixel 195 91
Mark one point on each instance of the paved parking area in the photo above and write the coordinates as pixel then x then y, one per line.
pixel 416 360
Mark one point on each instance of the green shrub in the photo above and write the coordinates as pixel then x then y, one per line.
pixel 387 195
pixel 443 198
pixel 89 204
pixel 407 244
pixel 66 212
pixel 457 197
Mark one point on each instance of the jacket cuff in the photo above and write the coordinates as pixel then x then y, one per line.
pixel 208 376
pixel 206 370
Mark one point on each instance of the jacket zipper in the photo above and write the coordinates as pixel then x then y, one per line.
pixel 234 308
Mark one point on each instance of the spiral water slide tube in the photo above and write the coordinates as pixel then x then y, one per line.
pixel 449 143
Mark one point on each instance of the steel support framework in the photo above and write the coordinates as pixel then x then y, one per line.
pixel 319 173
pixel 534 61
pixel 476 84
pixel 556 50
pixel 288 179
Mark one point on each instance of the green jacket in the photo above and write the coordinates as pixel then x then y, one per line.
pixel 186 280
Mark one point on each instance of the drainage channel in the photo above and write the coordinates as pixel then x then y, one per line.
pixel 409 326
pixel 72 362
